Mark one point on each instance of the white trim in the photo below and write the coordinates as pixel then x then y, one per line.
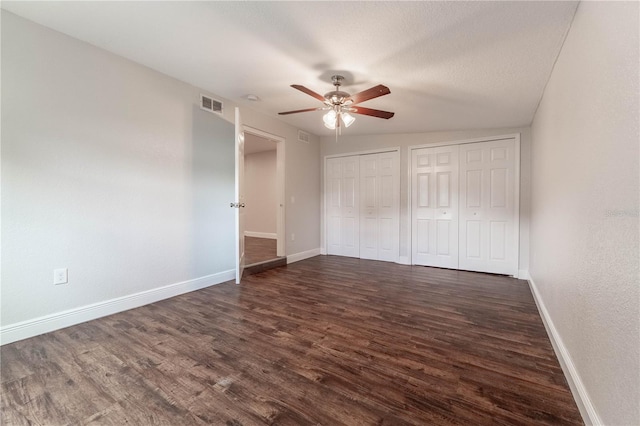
pixel 263 134
pixel 403 260
pixel 270 235
pixel 280 193
pixel 366 152
pixel 580 394
pixel 409 217
pixel 516 195
pixel 523 274
pixel 323 251
pixel 58 320
pixel 465 141
pixel 296 257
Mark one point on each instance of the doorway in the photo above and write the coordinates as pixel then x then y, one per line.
pixel 264 196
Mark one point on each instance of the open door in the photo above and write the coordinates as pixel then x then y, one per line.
pixel 239 203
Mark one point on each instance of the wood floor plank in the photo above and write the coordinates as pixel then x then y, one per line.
pixel 325 341
pixel 259 249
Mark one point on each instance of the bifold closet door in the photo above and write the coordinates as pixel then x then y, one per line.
pixel 488 234
pixel 434 188
pixel 342 186
pixel 380 206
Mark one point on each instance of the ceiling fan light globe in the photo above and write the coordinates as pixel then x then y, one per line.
pixel 329 119
pixel 347 119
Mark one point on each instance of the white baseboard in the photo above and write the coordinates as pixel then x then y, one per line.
pixel 523 274
pixel 323 251
pixel 580 394
pixel 303 255
pixel 52 322
pixel 270 235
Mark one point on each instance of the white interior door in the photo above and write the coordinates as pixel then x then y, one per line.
pixel 488 233
pixel 239 195
pixel 342 195
pixel 434 201
pixel 379 206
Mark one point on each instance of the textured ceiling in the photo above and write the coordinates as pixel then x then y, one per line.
pixel 449 65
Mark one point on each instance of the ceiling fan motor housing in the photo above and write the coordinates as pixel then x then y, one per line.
pixel 336 97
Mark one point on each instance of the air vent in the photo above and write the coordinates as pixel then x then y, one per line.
pixel 207 103
pixel 304 136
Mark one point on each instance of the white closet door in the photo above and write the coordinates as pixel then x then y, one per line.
pixel 369 207
pixel 434 201
pixel 350 212
pixel 389 206
pixel 342 186
pixel 379 206
pixel 487 207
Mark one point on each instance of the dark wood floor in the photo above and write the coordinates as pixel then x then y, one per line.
pixel 325 341
pixel 259 249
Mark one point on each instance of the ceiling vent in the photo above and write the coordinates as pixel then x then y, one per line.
pixel 207 103
pixel 304 136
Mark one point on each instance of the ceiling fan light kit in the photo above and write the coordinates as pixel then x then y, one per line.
pixel 339 105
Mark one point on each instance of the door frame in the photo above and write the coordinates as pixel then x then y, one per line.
pixel 323 216
pixel 280 185
pixel 516 137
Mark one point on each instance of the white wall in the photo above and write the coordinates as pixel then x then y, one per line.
pixel 348 144
pixel 585 201
pixel 261 192
pixel 111 170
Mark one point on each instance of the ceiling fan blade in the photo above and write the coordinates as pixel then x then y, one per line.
pixel 309 92
pixel 299 110
pixel 374 92
pixel 372 112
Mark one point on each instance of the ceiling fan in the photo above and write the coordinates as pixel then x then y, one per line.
pixel 340 104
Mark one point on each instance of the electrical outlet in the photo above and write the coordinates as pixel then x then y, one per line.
pixel 60 276
pixel 293 237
